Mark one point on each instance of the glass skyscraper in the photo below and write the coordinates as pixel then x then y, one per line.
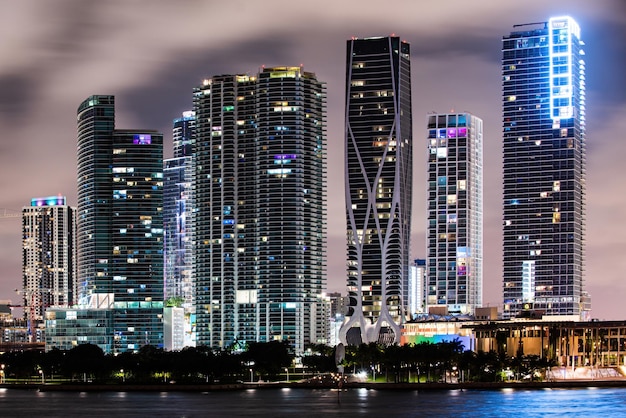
pixel 120 222
pixel 454 240
pixel 178 174
pixel 378 152
pixel 543 72
pixel 261 208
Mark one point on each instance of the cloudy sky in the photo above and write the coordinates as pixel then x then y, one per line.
pixel 150 54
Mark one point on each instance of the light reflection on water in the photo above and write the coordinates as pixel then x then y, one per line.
pixel 312 403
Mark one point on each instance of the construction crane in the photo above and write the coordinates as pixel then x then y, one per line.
pixel 30 313
pixel 8 213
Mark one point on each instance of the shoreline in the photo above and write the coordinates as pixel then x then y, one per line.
pixel 95 387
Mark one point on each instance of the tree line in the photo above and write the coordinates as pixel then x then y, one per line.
pixel 424 362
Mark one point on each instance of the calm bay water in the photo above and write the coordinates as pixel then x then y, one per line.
pixel 589 402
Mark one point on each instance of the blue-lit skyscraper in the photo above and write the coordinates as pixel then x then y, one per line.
pixel 378 175
pixel 543 72
pixel 178 214
pixel 120 223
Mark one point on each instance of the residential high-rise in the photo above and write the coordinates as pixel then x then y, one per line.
pixel 178 226
pixel 48 255
pixel 120 222
pixel 178 215
pixel 417 288
pixel 454 240
pixel 543 74
pixel 378 152
pixel 260 208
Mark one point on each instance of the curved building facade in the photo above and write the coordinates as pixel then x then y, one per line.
pixel 378 152
pixel 261 208
pixel 120 223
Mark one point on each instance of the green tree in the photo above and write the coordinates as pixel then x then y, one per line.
pixel 84 361
pixel 269 358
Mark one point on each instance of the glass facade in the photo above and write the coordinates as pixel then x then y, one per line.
pixel 378 152
pixel 178 215
pixel 543 72
pixel 137 239
pixel 96 122
pixel 120 222
pixel 417 288
pixel 261 208
pixel 67 328
pixel 455 212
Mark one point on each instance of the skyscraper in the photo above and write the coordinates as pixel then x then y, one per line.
pixel 544 167
pixel 178 214
pixel 378 152
pixel 417 287
pixel 120 222
pixel 455 212
pixel 260 197
pixel 48 231
pixel 224 189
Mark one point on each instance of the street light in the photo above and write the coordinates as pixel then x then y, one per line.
pixel 251 376
pixel 123 375
pixel 287 370
pixel 1 373
pixel 42 376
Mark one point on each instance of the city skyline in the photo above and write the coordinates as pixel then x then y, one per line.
pixel 50 68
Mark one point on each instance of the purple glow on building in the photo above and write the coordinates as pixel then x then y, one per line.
pixel 142 139
pixel 285 157
pixel 48 201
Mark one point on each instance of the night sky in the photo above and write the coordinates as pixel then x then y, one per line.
pixel 150 55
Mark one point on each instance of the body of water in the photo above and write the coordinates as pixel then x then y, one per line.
pixel 309 403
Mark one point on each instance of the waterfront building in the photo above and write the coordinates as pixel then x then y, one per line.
pixel 48 256
pixel 15 333
pixel 178 172
pixel 260 208
pixel 378 175
pixel 66 328
pixel 174 328
pixel 120 222
pixel 543 72
pixel 454 240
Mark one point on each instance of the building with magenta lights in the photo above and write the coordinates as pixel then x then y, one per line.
pixel 120 224
pixel 260 220
pixel 454 241
pixel 378 158
pixel 48 256
pixel 543 84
